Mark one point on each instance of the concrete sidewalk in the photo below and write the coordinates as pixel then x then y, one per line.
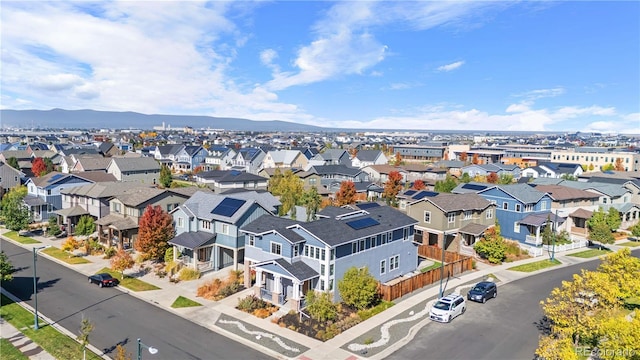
pixel 374 338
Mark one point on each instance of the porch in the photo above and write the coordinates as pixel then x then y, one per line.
pixel 283 283
pixel 38 208
pixel 68 218
pixel 535 225
pixel 195 250
pixel 117 230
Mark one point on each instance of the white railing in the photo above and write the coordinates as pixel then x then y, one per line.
pixel 532 250
pixel 533 240
pixel 544 249
pixel 467 250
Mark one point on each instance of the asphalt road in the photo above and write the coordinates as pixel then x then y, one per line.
pixel 502 329
pixel 66 296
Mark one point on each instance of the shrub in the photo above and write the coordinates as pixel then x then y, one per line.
pixel 251 303
pixel 172 267
pixel 70 244
pixel 189 274
pixel 358 288
pixel 168 255
pixel 382 306
pixel 320 306
pixel 492 250
pixel 229 289
pixel 110 252
pixel 264 313
pixel 209 290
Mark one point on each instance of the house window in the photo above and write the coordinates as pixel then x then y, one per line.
pixel 604 200
pixel 225 229
pixel 383 267
pixel 517 207
pixel 206 224
pixel 321 285
pixel 296 250
pixel 306 250
pixel 489 213
pixel 354 247
pixel 252 240
pixel 505 206
pixel 322 254
pixel 361 245
pixel 384 239
pixel 528 208
pixel 116 208
pixel 516 227
pixel 543 205
pixel 331 269
pixel 427 217
pixel 394 262
pixel 276 248
pixel 468 215
pixel 180 222
pixel 333 254
pixel 451 217
pixel 330 284
pixel 322 269
pixel 312 250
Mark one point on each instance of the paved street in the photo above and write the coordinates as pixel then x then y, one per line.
pixel 65 296
pixel 502 329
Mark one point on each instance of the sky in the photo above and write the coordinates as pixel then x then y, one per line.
pixel 422 65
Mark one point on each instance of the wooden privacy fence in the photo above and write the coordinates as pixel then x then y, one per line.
pixel 455 264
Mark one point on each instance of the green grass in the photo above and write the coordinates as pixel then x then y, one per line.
pixel 52 341
pixel 21 239
pixel 535 266
pixel 630 243
pixel 182 302
pixel 590 253
pixel 435 265
pixel 65 256
pixel 382 306
pixel 129 282
pixel 10 352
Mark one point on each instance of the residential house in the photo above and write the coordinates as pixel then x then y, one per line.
pixel 452 221
pixel 331 157
pixel 553 170
pixel 9 178
pixel 420 152
pixel 521 210
pixel 24 158
pixel 248 160
pixel 285 159
pixel 90 163
pixel 292 257
pixel 190 157
pixel 497 168
pixel 369 157
pixel 428 174
pixel 220 158
pixel 208 226
pixel 221 181
pixel 44 193
pixel 145 170
pixel 335 174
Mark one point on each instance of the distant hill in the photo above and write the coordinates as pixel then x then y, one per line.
pixel 88 119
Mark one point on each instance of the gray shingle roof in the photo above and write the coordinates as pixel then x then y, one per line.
pixel 193 240
pixel 459 202
pixel 202 203
pixel 523 192
pixel 141 163
pixel 298 269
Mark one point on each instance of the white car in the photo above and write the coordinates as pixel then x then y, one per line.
pixel 447 308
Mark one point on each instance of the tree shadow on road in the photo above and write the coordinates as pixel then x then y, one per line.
pixel 111 349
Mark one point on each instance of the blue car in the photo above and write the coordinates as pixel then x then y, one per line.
pixel 483 291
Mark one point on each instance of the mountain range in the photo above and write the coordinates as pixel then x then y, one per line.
pixel 93 119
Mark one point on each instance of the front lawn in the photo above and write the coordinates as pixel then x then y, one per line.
pixel 590 253
pixel 65 256
pixel 129 282
pixel 21 239
pixel 535 266
pixel 182 302
pixel 435 265
pixel 52 341
pixel 10 352
pixel 630 244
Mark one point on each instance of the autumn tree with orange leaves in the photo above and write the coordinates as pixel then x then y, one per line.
pixel 492 178
pixel 154 231
pixel 476 159
pixel 619 166
pixel 392 186
pixel 464 156
pixel 419 185
pixel 38 167
pixel 347 193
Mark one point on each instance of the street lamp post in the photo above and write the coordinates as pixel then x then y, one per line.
pixel 35 285
pixel 444 239
pixel 151 349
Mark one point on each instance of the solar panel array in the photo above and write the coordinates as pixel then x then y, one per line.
pixel 362 223
pixel 56 177
pixel 474 187
pixel 368 205
pixel 410 192
pixel 424 194
pixel 228 207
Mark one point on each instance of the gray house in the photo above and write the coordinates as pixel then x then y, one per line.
pixel 292 257
pixel 9 178
pixel 143 169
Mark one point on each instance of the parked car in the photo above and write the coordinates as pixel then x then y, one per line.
pixel 483 291
pixel 447 308
pixel 103 279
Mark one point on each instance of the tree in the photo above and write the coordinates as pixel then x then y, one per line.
pixel 398 159
pixel 121 353
pixel 556 347
pixel 38 167
pixel 464 156
pixel 320 306
pixel 621 269
pixel 86 327
pixel 347 193
pixel 465 178
pixel 492 246
pixel 591 167
pixel 569 177
pixel 475 159
pixel 13 162
pixel 601 226
pixel 419 185
pixel 492 178
pixel 613 219
pixel 312 201
pixel 155 229
pixel 445 186
pixel 121 261
pixel 358 288
pixel 165 176
pixel 548 234
pixel 53 228
pixel 622 334
pixel 505 179
pixel 608 167
pixel 15 213
pixel 85 226
pixel 392 186
pixel 6 268
pixel 618 165
pixel 289 188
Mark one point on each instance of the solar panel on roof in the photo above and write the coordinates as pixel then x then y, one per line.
pixel 424 194
pixel 362 223
pixel 410 192
pixel 56 177
pixel 228 207
pixel 368 205
pixel 474 187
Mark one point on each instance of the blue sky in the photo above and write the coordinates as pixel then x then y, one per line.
pixel 427 65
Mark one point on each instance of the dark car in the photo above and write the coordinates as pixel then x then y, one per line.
pixel 482 291
pixel 103 279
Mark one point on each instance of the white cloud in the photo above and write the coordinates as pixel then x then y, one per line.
pixel 542 93
pixel 520 107
pixel 57 82
pixel 450 67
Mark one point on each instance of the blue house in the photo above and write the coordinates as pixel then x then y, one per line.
pixel 207 227
pixel 521 210
pixel 43 193
pixel 291 257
